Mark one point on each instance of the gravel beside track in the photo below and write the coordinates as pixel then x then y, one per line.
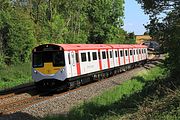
pixel 18 88
pixel 14 98
pixel 62 103
pixel 16 93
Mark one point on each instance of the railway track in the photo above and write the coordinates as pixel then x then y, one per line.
pixel 17 91
pixel 7 96
pixel 22 103
pixel 17 105
pixel 26 102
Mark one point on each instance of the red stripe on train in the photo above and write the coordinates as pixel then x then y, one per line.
pixel 118 57
pixel 124 56
pixel 78 64
pixel 129 55
pixel 108 61
pixel 133 54
pixel 100 62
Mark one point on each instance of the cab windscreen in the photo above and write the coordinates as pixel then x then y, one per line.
pixel 55 57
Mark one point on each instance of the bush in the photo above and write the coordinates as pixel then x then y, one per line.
pixel 18 38
pixel 14 75
pixel 1 60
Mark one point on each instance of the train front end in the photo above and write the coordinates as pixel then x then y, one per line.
pixel 48 65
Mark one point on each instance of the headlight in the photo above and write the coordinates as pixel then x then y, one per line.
pixel 35 71
pixel 62 70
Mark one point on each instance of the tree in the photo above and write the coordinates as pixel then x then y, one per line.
pixel 17 36
pixel 167 30
pixel 105 19
pixel 146 33
pixel 130 38
pixel 25 23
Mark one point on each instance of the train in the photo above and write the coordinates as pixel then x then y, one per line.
pixel 67 66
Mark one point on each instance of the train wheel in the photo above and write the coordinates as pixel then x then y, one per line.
pixel 100 76
pixel 103 75
pixel 40 86
pixel 78 83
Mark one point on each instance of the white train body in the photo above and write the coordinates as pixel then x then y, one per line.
pixel 62 62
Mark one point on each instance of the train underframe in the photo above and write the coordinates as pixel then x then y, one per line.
pixel 75 82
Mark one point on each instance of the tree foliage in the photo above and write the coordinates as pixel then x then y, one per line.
pixel 26 23
pixel 130 38
pixel 17 36
pixel 104 16
pixel 166 30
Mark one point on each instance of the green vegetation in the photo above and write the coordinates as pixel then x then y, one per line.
pixel 25 24
pixel 28 23
pixel 164 27
pixel 134 99
pixel 14 75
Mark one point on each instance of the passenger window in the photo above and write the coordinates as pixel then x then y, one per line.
pixel 94 55
pixel 137 52
pixel 126 52
pixel 77 58
pixel 69 58
pixel 104 55
pixel 134 52
pixel 83 57
pixel 130 52
pixel 116 54
pixel 110 54
pixel 89 57
pixel 121 53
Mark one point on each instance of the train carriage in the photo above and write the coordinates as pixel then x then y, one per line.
pixel 74 64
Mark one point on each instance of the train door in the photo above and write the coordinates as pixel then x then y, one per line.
pixel 121 55
pixel 116 59
pixel 140 55
pixel 104 59
pixel 126 54
pixel 73 63
pixel 146 52
pixel 130 55
pixel 145 55
pixel 135 55
pixel 111 56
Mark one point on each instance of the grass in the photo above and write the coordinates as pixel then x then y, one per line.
pixel 121 102
pixel 11 76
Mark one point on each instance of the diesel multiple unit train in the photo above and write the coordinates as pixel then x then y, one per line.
pixel 70 65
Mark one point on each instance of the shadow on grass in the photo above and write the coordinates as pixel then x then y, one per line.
pixel 18 116
pixel 151 63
